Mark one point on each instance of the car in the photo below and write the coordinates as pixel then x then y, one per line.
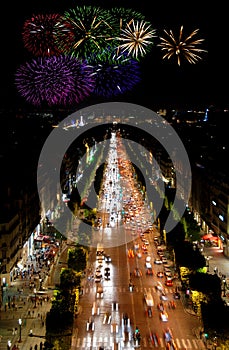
pixel 137 272
pixel 107 258
pixel 160 274
pixel 148 258
pixel 90 324
pixel 100 262
pixel 168 274
pixel 168 335
pixel 176 295
pixel 158 261
pixel 125 319
pixel 148 265
pixel 173 345
pixel 97 279
pixel 159 286
pixel 164 316
pixel 100 257
pixel 98 274
pixel 169 282
pixel 139 255
pixel 149 271
pixel 161 306
pixel 130 253
pixel 163 297
pixel 149 311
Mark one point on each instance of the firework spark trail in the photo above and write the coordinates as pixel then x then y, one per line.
pixel 91 26
pixel 137 38
pixel 179 47
pixel 114 74
pixel 55 80
pixel 39 33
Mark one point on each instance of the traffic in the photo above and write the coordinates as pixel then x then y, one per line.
pixel 133 290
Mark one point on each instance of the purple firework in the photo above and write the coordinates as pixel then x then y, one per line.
pixel 115 73
pixel 55 80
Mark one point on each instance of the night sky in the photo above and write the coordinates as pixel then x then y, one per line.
pixel 164 84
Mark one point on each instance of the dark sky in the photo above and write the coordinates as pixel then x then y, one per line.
pixel 163 83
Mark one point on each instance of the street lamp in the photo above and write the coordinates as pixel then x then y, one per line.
pixel 224 287
pixel 20 323
pixel 35 294
pixel 207 260
pixel 40 280
pixel 9 345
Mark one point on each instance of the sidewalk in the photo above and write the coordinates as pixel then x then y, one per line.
pixel 32 311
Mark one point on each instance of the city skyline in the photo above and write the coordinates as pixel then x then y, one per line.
pixel 163 82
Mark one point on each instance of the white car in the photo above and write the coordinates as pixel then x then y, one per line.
pixel 164 316
pixel 148 258
pixel 158 261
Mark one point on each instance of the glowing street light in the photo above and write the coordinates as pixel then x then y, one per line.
pixel 35 294
pixel 20 323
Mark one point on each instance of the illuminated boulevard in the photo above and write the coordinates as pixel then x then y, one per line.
pixel 113 306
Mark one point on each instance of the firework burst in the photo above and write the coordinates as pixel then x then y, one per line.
pixel 182 47
pixel 114 74
pixel 55 80
pixel 90 28
pixel 137 38
pixel 39 33
pixel 124 16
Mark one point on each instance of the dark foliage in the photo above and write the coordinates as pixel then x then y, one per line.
pixel 207 284
pixel 188 257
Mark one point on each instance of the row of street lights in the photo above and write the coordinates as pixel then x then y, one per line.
pixel 9 344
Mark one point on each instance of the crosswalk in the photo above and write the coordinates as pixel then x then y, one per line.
pixel 92 342
pixel 88 290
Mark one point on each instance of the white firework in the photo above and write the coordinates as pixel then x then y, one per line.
pixel 136 38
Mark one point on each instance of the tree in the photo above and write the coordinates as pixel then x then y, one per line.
pixel 188 257
pixel 208 284
pixel 77 258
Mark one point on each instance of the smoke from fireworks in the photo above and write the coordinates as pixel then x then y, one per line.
pixel 55 80
pixel 115 74
pixel 39 33
pixel 181 47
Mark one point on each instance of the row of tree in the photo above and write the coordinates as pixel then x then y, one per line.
pixel 60 318
pixel 204 289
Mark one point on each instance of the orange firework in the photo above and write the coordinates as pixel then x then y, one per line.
pixel 179 47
